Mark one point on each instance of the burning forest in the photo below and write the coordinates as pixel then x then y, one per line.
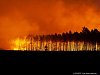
pixel 76 41
pixel 49 25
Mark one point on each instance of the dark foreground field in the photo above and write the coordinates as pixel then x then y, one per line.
pixel 69 60
pixel 46 57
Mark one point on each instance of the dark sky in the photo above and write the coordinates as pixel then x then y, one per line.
pixel 20 17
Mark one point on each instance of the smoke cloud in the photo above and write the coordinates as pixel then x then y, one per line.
pixel 21 17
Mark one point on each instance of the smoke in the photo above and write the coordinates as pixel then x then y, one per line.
pixel 21 17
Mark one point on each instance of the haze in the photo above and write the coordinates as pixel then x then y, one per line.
pixel 21 17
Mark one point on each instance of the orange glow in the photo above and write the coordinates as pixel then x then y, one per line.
pixel 23 17
pixel 19 44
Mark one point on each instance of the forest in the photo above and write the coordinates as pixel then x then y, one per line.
pixel 77 41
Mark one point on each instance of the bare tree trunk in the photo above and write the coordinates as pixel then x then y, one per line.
pixel 63 46
pixel 60 45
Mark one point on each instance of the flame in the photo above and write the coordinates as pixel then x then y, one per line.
pixel 19 44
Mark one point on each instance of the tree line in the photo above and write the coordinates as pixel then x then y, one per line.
pixel 85 35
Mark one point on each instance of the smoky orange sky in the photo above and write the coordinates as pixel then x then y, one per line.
pixel 21 17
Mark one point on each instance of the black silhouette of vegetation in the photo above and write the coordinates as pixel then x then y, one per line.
pixel 86 36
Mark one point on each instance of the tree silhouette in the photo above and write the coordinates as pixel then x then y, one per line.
pixel 86 36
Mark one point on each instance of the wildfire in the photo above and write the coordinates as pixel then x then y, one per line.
pixel 19 44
